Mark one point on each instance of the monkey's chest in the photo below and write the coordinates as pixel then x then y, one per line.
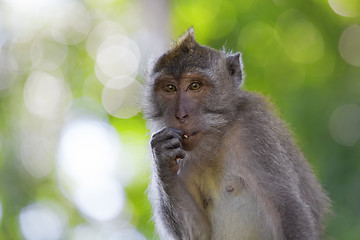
pixel 234 213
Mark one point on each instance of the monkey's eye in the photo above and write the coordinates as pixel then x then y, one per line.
pixel 195 86
pixel 170 88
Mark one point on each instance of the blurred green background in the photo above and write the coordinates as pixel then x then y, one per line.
pixel 73 143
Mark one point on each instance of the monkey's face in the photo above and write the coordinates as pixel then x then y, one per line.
pixel 193 88
pixel 181 100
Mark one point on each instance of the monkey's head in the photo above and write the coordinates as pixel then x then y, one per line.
pixel 193 88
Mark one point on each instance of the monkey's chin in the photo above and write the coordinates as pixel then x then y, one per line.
pixel 191 141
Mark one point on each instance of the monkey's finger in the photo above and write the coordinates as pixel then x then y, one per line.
pixel 179 153
pixel 178 131
pixel 175 133
pixel 168 133
pixel 173 143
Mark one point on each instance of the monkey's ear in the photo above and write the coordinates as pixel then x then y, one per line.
pixel 235 67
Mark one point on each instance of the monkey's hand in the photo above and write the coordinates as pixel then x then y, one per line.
pixel 167 150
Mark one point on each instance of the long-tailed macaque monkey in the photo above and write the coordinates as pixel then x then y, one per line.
pixel 224 166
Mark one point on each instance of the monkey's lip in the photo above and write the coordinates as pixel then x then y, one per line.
pixel 189 134
pixel 191 139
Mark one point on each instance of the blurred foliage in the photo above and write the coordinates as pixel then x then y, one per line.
pixel 303 55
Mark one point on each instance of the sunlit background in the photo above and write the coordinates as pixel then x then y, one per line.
pixel 73 142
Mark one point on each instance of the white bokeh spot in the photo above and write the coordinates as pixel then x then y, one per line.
pixel 122 102
pixel 88 158
pixel 345 8
pixel 349 45
pixel 42 221
pixel 344 124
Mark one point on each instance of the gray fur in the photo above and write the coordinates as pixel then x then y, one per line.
pixel 246 179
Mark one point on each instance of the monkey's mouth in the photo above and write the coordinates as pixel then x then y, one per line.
pixel 188 135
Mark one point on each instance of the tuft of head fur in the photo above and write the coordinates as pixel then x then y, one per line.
pixel 186 55
pixel 187 39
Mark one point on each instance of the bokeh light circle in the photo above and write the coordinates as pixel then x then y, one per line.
pixel 346 8
pixel 45 95
pixel 100 33
pixel 117 57
pixel 46 54
pixel 301 40
pixel 120 101
pixel 117 61
pixel 89 145
pixel 42 221
pixel 82 232
pixel 251 39
pixel 87 159
pixel 344 124
pixel 73 20
pixel 349 45
pixel 101 200
pixel 38 163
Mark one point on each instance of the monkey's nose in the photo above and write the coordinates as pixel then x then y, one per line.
pixel 181 117
pixel 181 114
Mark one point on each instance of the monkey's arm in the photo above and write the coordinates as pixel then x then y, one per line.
pixel 277 169
pixel 288 211
pixel 275 180
pixel 176 211
pixel 279 173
